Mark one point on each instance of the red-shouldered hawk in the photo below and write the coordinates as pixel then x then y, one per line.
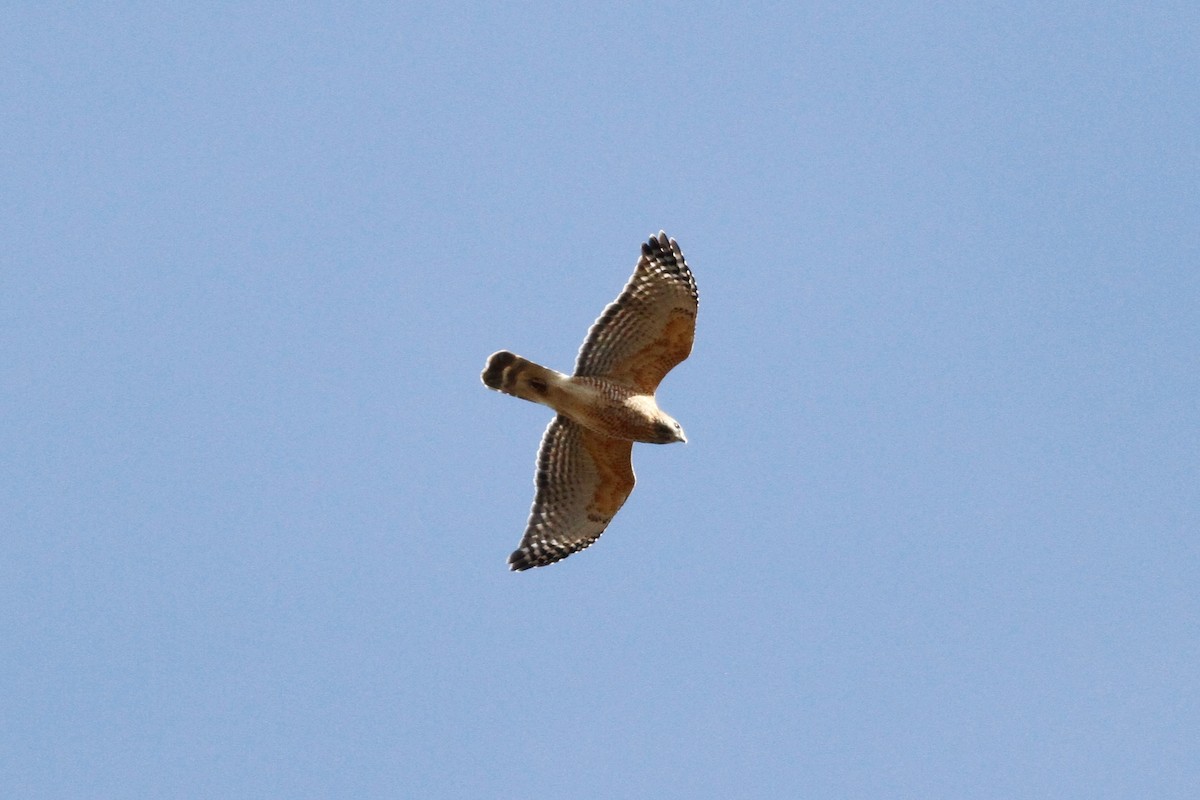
pixel 584 466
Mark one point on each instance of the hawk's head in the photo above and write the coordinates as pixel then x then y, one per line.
pixel 667 430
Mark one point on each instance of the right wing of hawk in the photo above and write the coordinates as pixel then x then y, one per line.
pixel 649 328
pixel 582 480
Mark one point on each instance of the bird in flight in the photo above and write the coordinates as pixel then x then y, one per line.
pixel 584 465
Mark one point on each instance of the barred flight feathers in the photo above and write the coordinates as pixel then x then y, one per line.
pixel 582 480
pixel 649 328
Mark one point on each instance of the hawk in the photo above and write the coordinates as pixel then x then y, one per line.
pixel 584 465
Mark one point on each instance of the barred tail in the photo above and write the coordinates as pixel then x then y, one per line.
pixel 520 377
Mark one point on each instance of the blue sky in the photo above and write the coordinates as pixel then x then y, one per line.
pixel 934 533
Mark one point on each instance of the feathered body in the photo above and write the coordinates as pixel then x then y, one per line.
pixel 603 406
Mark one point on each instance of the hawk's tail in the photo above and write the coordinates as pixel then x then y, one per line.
pixel 520 377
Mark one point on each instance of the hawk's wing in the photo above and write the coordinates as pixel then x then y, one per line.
pixel 649 328
pixel 582 479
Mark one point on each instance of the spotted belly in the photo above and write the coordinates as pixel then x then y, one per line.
pixel 608 409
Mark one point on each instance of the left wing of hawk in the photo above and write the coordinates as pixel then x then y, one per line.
pixel 582 479
pixel 649 328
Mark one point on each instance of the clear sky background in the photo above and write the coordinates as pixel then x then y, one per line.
pixel 935 531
